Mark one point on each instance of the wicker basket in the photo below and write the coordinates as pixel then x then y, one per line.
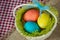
pixel 43 37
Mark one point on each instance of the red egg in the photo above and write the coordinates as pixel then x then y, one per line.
pixel 31 15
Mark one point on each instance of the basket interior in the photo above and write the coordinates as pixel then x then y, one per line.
pixel 20 23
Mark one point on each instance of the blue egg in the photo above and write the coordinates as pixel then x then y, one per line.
pixel 31 27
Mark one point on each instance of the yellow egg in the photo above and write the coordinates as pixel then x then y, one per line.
pixel 43 20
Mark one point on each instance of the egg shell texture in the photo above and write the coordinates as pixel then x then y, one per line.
pixel 31 15
pixel 31 27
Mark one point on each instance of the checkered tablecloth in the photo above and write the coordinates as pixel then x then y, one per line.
pixel 6 15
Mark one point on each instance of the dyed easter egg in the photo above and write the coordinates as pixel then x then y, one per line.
pixel 31 15
pixel 43 20
pixel 31 27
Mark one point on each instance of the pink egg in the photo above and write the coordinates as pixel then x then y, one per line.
pixel 31 15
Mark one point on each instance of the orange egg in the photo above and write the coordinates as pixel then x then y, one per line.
pixel 31 15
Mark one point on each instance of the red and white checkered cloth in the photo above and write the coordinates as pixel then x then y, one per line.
pixel 6 15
